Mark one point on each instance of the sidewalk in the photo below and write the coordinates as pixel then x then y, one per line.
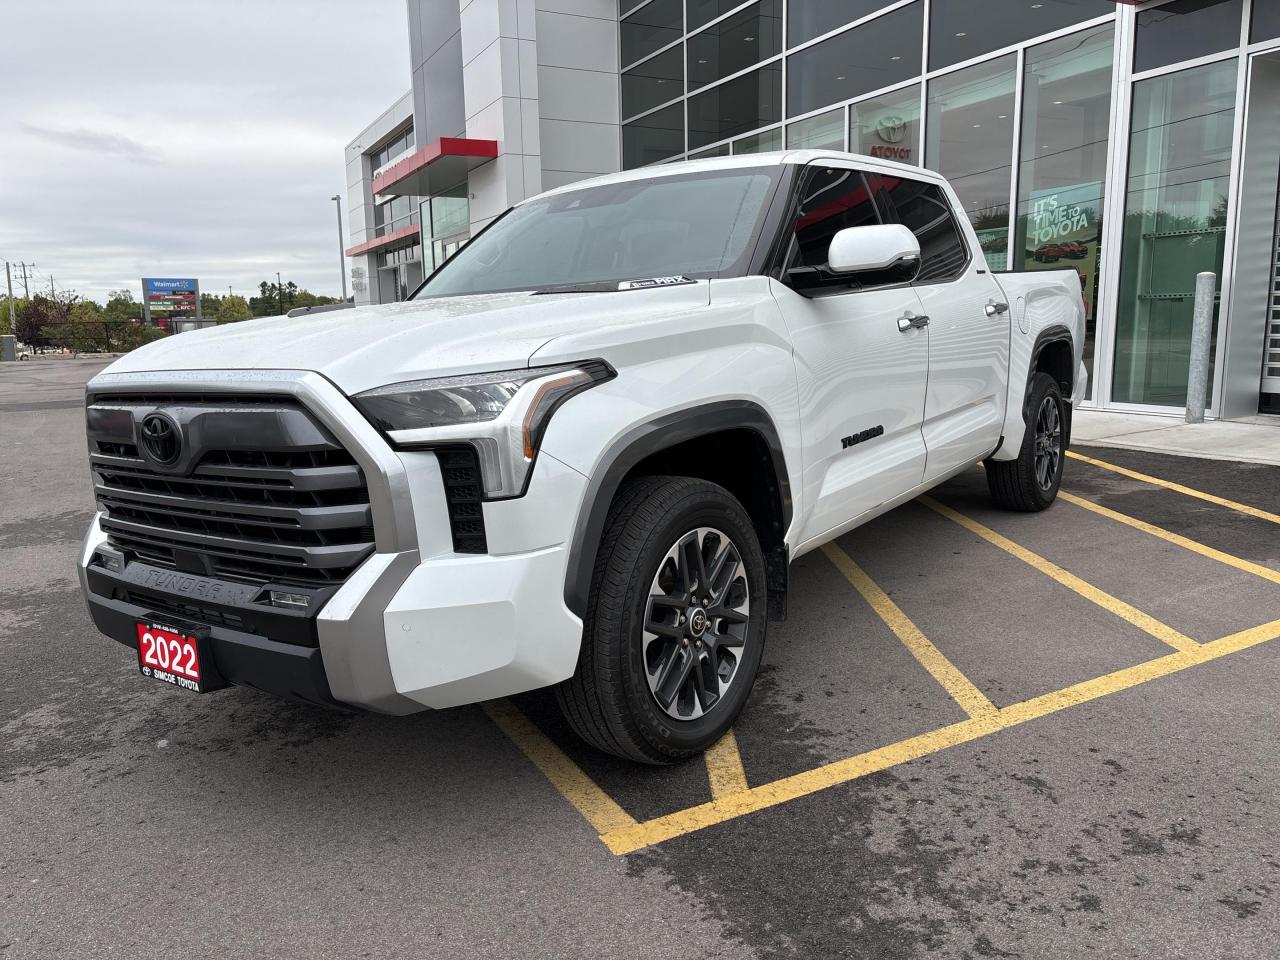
pixel 1251 440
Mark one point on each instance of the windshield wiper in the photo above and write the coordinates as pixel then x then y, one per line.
pixel 603 286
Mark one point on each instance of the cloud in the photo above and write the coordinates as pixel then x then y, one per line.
pixel 202 139
pixel 93 142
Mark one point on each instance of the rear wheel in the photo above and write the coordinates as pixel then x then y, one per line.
pixel 675 624
pixel 1030 483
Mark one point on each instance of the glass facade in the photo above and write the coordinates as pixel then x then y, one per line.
pixel 1022 104
pixel 1175 224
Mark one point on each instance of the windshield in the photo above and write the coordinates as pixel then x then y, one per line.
pixel 693 225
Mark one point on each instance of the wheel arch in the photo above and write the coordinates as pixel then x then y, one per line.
pixel 713 442
pixel 1054 354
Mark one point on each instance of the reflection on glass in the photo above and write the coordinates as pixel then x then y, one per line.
pixel 1174 225
pixel 962 29
pixel 887 127
pixel 653 82
pixel 759 142
pixel 735 43
pixel 449 224
pixel 1184 30
pixel 823 132
pixel 736 106
pixel 720 150
pixel 654 137
pixel 1266 21
pixel 807 19
pixel 650 28
pixel 880 53
pixel 1066 109
pixel 970 142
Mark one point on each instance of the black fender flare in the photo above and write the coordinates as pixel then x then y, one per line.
pixel 1057 333
pixel 644 440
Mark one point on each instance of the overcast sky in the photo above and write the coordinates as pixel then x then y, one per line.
pixel 200 138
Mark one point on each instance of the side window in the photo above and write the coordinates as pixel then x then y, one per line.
pixel 831 199
pixel 923 209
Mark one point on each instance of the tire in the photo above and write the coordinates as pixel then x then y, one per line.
pixel 1030 483
pixel 614 701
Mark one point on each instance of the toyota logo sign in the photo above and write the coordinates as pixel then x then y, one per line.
pixel 161 438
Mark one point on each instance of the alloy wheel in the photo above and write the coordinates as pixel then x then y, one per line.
pixel 1048 442
pixel 695 623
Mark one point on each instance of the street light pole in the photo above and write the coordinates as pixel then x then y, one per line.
pixel 280 292
pixel 342 254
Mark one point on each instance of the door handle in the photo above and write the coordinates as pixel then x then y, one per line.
pixel 912 322
pixel 995 308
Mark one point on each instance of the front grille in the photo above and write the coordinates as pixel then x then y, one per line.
pixel 463 492
pixel 262 492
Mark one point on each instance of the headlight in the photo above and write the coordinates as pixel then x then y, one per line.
pixel 503 415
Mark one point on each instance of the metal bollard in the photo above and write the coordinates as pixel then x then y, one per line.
pixel 1201 337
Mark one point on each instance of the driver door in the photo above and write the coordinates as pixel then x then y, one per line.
pixel 861 365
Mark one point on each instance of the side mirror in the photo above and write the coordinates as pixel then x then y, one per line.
pixel 888 248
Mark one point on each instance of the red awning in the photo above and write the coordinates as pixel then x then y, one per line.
pixel 435 167
pixel 386 240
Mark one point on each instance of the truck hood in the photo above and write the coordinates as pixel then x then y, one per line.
pixel 371 346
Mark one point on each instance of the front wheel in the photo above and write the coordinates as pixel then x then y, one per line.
pixel 675 623
pixel 1030 483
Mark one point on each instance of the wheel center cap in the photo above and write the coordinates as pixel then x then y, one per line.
pixel 697 621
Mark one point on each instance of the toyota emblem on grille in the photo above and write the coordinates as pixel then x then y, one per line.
pixel 161 438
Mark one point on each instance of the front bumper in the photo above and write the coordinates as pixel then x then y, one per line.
pixel 416 626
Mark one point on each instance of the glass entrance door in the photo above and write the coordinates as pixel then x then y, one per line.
pixel 1180 152
pixel 1271 356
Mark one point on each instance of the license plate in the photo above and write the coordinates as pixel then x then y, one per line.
pixel 172 654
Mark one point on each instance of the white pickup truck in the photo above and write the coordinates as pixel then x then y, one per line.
pixel 583 455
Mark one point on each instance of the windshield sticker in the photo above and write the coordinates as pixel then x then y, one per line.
pixel 653 282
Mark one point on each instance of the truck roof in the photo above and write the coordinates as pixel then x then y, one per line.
pixel 740 161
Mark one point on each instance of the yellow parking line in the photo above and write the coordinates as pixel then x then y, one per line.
pixel 630 838
pixel 724 767
pixel 1195 547
pixel 1178 488
pixel 961 688
pixel 1145 622
pixel 594 804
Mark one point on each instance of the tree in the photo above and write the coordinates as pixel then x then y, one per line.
pixel 85 332
pixel 209 305
pixel 39 314
pixel 122 306
pixel 18 305
pixel 231 309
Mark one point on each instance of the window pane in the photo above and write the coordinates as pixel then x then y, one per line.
pixel 832 199
pixel 1174 226
pixel 970 142
pixel 924 210
pixel 655 81
pixel 759 142
pixel 720 151
pixel 741 41
pixel 704 11
pixel 807 19
pixel 1266 21
pixel 823 132
pixel 650 29
pixel 1185 29
pixel 963 29
pixel 877 54
pixel 887 126
pixel 1066 109
pixel 750 101
pixel 656 137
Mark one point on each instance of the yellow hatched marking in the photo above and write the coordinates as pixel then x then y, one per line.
pixel 724 767
pixel 634 837
pixel 961 688
pixel 1175 538
pixel 1148 624
pixel 594 804
pixel 1178 488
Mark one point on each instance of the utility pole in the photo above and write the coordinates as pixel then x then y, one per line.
pixel 26 291
pixel 342 254
pixel 280 292
pixel 228 289
pixel 8 279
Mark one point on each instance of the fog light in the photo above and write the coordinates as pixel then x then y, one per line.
pixel 110 561
pixel 290 601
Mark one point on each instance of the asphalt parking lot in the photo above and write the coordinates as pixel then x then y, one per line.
pixel 978 735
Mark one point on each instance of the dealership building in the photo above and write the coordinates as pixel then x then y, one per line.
pixel 1135 142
